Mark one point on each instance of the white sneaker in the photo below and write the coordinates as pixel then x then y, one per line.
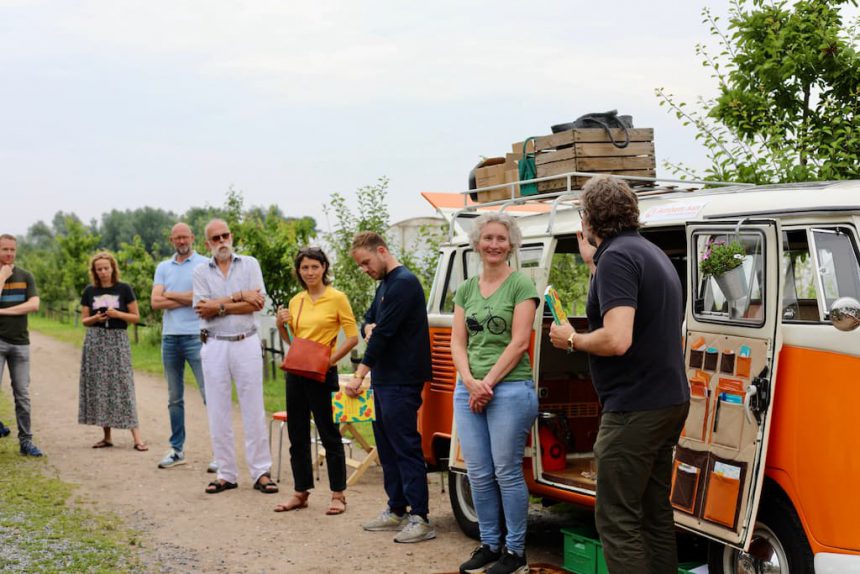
pixel 416 530
pixel 386 520
pixel 171 459
pixel 213 467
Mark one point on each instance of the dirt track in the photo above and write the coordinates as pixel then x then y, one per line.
pixel 184 529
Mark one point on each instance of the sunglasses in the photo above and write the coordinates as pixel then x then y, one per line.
pixel 310 250
pixel 219 238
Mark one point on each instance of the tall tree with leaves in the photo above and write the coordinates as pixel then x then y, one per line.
pixel 371 214
pixel 788 108
pixel 137 267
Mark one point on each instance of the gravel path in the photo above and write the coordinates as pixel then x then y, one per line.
pixel 182 529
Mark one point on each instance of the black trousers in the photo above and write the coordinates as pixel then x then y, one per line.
pixel 634 472
pixel 306 397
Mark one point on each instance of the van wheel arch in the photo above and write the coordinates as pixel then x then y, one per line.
pixel 778 534
pixel 460 494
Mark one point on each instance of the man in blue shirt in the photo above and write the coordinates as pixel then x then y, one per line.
pixel 180 341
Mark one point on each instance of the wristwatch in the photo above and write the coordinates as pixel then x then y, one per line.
pixel 570 347
pixel 222 310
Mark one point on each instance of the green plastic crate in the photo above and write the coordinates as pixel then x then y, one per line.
pixel 582 553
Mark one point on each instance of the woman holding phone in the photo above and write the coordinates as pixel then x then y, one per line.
pixel 107 381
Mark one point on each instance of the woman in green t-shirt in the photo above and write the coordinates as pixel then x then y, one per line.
pixel 495 404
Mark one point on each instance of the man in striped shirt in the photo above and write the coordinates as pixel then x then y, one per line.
pixel 17 298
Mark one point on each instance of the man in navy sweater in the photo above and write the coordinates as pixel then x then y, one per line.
pixel 398 355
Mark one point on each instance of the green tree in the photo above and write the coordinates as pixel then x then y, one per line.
pixel 61 270
pixel 371 214
pixel 151 224
pixel 570 277
pixel 788 109
pixel 137 267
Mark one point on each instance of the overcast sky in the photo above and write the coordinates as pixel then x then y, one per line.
pixel 110 104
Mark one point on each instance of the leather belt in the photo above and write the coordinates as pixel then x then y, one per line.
pixel 204 335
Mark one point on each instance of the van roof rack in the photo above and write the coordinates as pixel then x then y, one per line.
pixel 570 195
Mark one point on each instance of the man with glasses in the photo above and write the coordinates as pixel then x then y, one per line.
pixel 635 312
pixel 227 291
pixel 18 298
pixel 180 335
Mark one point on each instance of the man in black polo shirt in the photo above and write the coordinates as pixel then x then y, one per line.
pixel 635 311
pixel 17 298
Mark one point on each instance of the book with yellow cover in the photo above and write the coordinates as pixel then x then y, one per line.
pixel 554 303
pixel 346 409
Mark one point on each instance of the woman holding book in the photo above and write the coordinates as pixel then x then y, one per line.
pixel 318 313
pixel 495 403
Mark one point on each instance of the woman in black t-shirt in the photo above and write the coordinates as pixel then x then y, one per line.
pixel 107 380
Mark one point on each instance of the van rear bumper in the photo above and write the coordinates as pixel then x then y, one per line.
pixel 829 563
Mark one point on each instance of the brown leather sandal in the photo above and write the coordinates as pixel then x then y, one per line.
pixel 297 500
pixel 337 504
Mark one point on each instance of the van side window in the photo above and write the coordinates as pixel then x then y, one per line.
pixel 799 300
pixel 463 265
pixel 737 294
pixel 570 276
pixel 838 268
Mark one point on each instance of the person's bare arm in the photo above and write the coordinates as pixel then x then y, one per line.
pixel 31 305
pixel 611 340
pixel 160 301
pixel 131 316
pixel 239 303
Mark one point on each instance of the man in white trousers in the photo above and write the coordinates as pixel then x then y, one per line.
pixel 228 290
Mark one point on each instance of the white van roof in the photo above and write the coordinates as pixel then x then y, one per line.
pixel 672 206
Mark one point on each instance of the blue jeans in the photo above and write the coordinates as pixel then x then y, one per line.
pixel 175 351
pixel 398 443
pixel 18 357
pixel 493 443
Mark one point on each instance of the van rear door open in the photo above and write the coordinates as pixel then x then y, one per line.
pixel 732 343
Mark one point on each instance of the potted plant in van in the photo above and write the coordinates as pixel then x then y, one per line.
pixel 723 260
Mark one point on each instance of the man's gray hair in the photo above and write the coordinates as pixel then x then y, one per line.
pixel 515 236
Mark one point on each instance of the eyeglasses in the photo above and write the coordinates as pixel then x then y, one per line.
pixel 583 214
pixel 219 238
pixel 309 250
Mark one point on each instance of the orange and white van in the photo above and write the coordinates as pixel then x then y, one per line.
pixel 768 468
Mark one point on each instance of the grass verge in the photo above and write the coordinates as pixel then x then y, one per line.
pixel 40 532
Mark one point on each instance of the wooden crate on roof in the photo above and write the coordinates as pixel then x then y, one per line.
pixel 592 150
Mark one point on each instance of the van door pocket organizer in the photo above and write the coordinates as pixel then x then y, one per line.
pixel 696 427
pixel 728 420
pixel 723 491
pixel 688 470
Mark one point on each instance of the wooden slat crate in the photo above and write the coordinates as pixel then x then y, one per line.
pixel 591 150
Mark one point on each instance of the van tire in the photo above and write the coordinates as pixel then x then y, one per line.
pixel 460 493
pixel 778 530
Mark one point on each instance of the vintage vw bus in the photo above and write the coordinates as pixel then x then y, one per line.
pixel 767 468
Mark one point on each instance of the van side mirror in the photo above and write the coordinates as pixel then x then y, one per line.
pixel 845 314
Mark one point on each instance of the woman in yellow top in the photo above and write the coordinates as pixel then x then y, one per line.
pixel 318 313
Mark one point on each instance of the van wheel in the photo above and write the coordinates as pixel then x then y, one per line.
pixel 778 546
pixel 460 493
